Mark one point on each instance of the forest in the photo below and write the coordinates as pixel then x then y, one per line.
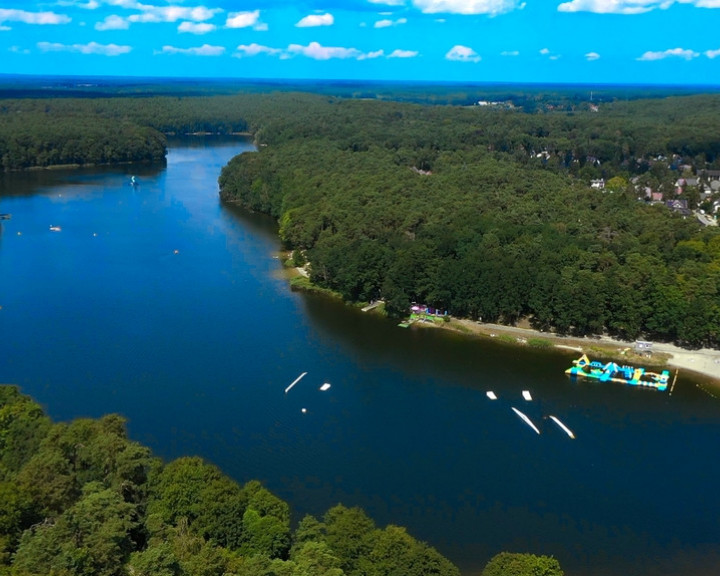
pixel 484 210
pixel 488 212
pixel 81 498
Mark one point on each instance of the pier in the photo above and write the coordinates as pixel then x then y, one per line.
pixel 373 305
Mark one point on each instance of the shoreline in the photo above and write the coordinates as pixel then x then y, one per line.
pixel 703 362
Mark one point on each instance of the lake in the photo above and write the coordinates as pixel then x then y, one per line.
pixel 160 303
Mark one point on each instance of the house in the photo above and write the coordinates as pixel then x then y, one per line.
pixel 679 206
pixel 597 184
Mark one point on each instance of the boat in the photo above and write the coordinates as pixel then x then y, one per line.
pixel 526 419
pixel 526 395
pixel 563 427
pixel 612 372
pixel 490 394
pixel 55 229
pixel 324 387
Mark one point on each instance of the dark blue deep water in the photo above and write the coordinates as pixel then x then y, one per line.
pixel 162 304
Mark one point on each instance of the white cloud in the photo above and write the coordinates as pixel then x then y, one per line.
pixel 18 50
pixel 91 48
pixel 550 55
pixel 255 49
pixel 388 2
pixel 463 54
pixel 318 52
pixel 388 23
pixel 204 50
pixel 113 22
pixel 712 53
pixel 371 55
pixel 25 17
pixel 590 56
pixel 316 20
pixel 245 20
pixel 90 5
pixel 196 27
pixel 673 53
pixel 629 6
pixel 403 54
pixel 510 53
pixel 491 7
pixel 153 14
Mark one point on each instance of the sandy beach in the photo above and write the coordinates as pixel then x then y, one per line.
pixel 703 361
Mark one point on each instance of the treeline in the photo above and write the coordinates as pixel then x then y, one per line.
pixel 48 132
pixel 554 129
pixel 80 498
pixel 488 213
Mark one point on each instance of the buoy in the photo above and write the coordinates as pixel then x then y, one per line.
pixel 304 410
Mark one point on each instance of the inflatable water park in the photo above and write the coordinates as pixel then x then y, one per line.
pixel 612 372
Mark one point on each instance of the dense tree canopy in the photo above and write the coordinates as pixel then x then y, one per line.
pixel 83 499
pixel 511 564
pixel 488 213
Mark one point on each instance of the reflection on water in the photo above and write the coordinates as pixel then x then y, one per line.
pixel 162 304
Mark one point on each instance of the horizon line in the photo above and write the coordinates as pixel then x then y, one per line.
pixel 409 83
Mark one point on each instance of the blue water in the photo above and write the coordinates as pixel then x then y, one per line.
pixel 162 304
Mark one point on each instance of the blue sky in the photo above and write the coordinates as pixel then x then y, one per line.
pixel 592 41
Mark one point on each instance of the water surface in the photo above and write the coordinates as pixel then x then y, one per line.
pixel 162 304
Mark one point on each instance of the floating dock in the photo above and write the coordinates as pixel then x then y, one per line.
pixel 490 394
pixel 526 395
pixel 612 372
pixel 563 427
pixel 295 382
pixel 526 419
pixel 324 387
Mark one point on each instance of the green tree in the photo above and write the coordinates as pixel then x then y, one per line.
pixel 93 537
pixel 511 564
